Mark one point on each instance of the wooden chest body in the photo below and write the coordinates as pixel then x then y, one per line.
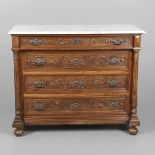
pixel 75 79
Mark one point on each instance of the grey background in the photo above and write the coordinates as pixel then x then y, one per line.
pixel 88 140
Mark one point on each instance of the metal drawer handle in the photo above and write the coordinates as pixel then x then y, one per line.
pixel 117 41
pixel 114 104
pixel 76 40
pixel 113 60
pixel 39 106
pixel 77 84
pixel 40 84
pixel 75 106
pixel 75 60
pixel 112 83
pixel 38 61
pixel 35 42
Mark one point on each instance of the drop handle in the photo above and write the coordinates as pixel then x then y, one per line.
pixel 38 61
pixel 39 106
pixel 75 106
pixel 35 42
pixel 117 41
pixel 113 83
pixel 113 60
pixel 40 84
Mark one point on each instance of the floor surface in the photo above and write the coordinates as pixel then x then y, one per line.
pixel 92 140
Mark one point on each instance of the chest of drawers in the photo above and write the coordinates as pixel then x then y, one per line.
pixel 67 75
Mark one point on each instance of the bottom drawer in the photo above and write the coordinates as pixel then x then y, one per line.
pixel 76 107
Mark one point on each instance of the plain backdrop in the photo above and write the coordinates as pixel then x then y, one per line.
pixel 85 141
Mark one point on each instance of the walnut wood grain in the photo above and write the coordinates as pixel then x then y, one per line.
pixel 87 120
pixel 18 121
pixel 75 84
pixel 75 79
pixel 76 42
pixel 133 118
pixel 70 106
pixel 83 60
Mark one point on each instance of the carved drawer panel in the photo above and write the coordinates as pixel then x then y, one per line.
pixel 77 42
pixel 75 105
pixel 74 84
pixel 77 59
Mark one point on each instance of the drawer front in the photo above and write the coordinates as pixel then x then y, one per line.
pixel 56 106
pixel 77 59
pixel 75 84
pixel 77 42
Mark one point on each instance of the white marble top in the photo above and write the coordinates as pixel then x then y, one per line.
pixel 75 29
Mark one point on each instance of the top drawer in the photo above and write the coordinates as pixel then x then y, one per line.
pixel 77 42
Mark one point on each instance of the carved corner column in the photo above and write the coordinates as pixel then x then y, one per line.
pixel 18 123
pixel 133 122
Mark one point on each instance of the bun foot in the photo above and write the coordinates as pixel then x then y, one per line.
pixel 18 132
pixel 133 130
